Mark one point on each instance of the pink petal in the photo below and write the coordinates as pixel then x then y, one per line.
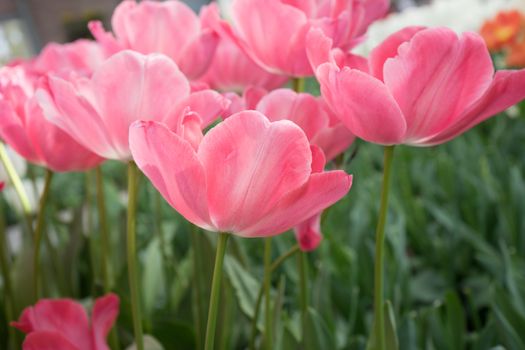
pixel 105 39
pixel 505 91
pixel 388 49
pixel 105 312
pixel 207 104
pixel 273 34
pixel 64 106
pixel 58 150
pixel 61 316
pixel 318 159
pixel 174 169
pixel 436 76
pixel 320 191
pixel 46 340
pixel 302 109
pixel 196 58
pixel 334 140
pixel 308 233
pixel 251 164
pixel 130 86
pixel 13 133
pixel 363 104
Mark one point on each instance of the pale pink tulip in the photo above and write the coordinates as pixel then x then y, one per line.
pixel 167 27
pixel 249 99
pixel 24 128
pixel 274 32
pixel 232 70
pixel 62 324
pixel 425 87
pixel 82 56
pixel 129 86
pixel 249 177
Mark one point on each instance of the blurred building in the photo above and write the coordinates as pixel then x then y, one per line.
pixel 27 25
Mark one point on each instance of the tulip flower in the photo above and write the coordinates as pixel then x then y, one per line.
pixel 167 27
pixel 425 87
pixel 249 176
pixel 63 324
pixel 233 70
pixel 129 86
pixel 24 128
pixel 503 30
pixel 273 32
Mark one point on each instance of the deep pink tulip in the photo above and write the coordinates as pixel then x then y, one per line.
pixel 24 128
pixel 167 27
pixel 425 87
pixel 274 32
pixel 233 70
pixel 249 177
pixel 63 324
pixel 129 86
pixel 2 185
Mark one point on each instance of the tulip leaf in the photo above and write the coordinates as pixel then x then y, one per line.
pixel 317 335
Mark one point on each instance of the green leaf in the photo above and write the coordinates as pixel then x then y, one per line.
pixel 391 341
pixel 317 335
pixel 245 285
pixel 455 321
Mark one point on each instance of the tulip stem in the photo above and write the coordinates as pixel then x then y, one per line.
pixel 267 282
pixel 104 231
pixel 215 291
pixel 303 286
pixel 38 234
pixel 17 184
pixel 133 275
pixel 298 84
pixel 273 267
pixel 6 275
pixel 379 317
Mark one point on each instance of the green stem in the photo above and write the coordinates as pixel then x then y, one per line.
pixel 133 275
pixel 267 281
pixel 104 231
pixel 6 277
pixel 17 184
pixel 273 267
pixel 198 302
pixel 303 285
pixel 38 234
pixel 298 84
pixel 215 291
pixel 379 316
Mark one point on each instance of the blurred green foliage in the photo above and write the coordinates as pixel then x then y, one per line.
pixel 454 267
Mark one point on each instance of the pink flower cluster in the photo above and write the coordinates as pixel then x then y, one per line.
pixel 149 91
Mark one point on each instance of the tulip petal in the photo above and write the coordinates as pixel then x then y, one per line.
pixel 321 191
pixel 308 233
pixel 172 166
pixel 505 91
pixel 47 340
pixel 388 49
pixel 363 104
pixel 333 140
pixel 105 312
pixel 13 132
pixel 207 104
pixel 436 76
pixel 302 109
pixel 62 316
pixel 273 34
pixel 64 106
pixel 197 56
pixel 251 164
pixel 130 86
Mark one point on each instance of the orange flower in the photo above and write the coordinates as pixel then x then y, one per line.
pixel 516 55
pixel 503 29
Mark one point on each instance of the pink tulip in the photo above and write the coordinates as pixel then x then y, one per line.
pixel 24 128
pixel 63 324
pixel 319 124
pixel 168 27
pixel 249 99
pixel 232 70
pixel 425 87
pixel 82 56
pixel 249 177
pixel 2 185
pixel 274 32
pixel 129 86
